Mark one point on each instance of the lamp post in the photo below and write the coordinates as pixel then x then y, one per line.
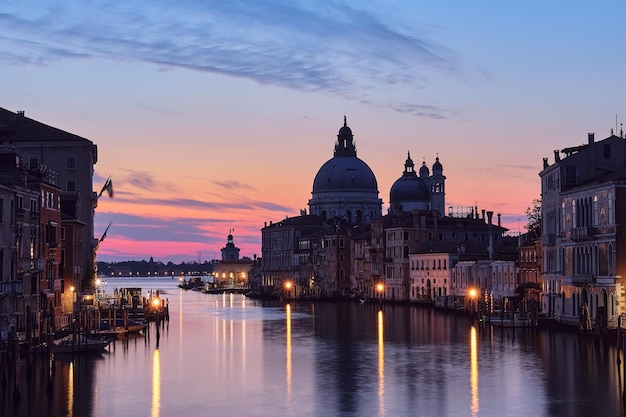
pixel 472 295
pixel 288 286
pixel 380 289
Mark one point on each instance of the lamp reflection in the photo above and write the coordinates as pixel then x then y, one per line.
pixel 288 350
pixel 381 366
pixel 156 383
pixel 474 370
pixel 70 390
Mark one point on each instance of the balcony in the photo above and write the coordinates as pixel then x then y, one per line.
pixel 11 287
pixel 26 265
pixel 580 280
pixel 582 233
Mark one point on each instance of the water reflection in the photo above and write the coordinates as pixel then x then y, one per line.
pixel 243 357
pixel 156 383
pixel 474 370
pixel 70 390
pixel 381 365
pixel 288 353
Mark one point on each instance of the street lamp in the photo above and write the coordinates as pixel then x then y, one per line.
pixel 472 295
pixel 288 286
pixel 380 289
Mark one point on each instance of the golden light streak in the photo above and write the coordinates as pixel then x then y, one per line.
pixel 474 370
pixel 381 365
pixel 156 384
pixel 288 354
pixel 70 391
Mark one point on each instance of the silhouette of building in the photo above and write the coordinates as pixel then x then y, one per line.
pixel 583 199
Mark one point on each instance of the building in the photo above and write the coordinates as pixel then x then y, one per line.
pixel 231 271
pixel 72 157
pixel 30 283
pixel 583 216
pixel 345 187
pixel 345 247
pixel 423 192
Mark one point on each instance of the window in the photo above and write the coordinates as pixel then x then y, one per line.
pixel 33 206
pixel 33 161
pixel 341 243
pixel 62 233
pixel 71 186
pixel 1 211
pixel 71 162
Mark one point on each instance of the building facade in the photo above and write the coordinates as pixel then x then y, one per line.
pixel 583 195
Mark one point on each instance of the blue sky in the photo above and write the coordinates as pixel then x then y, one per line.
pixel 213 116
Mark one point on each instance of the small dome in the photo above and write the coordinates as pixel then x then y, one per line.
pixel 424 172
pixel 409 187
pixel 437 167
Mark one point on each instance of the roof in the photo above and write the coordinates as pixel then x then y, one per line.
pixel 16 127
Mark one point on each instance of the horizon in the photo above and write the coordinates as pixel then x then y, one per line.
pixel 215 116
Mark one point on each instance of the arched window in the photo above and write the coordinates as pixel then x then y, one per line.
pixel 595 210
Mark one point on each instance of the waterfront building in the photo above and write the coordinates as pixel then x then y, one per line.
pixel 583 198
pixel 346 248
pixel 231 271
pixel 72 157
pixel 282 243
pixel 30 284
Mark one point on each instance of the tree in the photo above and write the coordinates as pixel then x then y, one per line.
pixel 534 219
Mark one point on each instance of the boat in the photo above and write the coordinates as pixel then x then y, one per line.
pixel 511 320
pixel 122 326
pixel 78 343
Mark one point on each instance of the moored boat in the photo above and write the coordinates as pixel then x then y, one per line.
pixel 78 343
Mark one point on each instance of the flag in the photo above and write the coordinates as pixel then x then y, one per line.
pixel 104 235
pixel 108 186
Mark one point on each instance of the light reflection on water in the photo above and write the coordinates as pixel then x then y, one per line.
pixel 243 357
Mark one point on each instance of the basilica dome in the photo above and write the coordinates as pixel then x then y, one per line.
pixel 348 173
pixel 345 186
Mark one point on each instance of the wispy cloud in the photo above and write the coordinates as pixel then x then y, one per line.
pixel 333 47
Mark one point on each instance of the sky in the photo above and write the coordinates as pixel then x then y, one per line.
pixel 212 116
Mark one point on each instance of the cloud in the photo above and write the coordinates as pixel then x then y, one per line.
pixel 333 47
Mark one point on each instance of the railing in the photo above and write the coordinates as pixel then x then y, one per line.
pixel 582 279
pixel 31 264
pixel 11 287
pixel 582 233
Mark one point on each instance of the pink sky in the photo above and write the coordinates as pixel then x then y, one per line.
pixel 222 120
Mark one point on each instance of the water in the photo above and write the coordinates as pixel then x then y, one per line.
pixel 225 355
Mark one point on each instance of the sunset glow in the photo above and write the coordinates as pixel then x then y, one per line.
pixel 221 120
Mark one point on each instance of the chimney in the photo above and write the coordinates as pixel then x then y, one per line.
pixel 20 113
pixel 483 214
pixel 545 163
pixel 557 158
pixel 499 217
pixel 489 216
pixel 592 153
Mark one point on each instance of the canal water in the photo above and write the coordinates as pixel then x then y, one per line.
pixel 226 355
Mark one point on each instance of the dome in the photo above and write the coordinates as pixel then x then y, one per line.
pixel 409 187
pixel 345 187
pixel 424 172
pixel 437 167
pixel 344 173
